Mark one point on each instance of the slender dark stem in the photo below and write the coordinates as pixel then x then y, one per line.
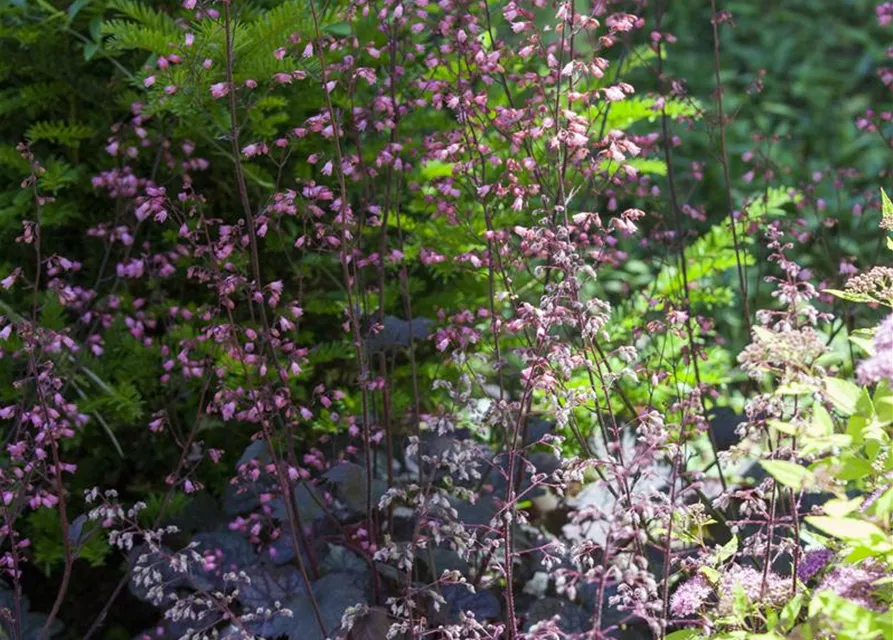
pixel 724 162
pixel 677 213
pixel 284 482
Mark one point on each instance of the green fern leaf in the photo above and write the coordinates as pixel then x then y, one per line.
pixel 145 15
pixel 62 133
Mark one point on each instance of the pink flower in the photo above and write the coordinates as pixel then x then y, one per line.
pixel 9 280
pixel 148 81
pixel 690 597
pixel 614 94
pixel 856 583
pixel 219 90
pixel 880 366
pixel 189 4
pixel 256 149
pixel 228 410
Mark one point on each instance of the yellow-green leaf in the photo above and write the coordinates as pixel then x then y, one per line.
pixel 848 529
pixel 822 425
pixel 843 394
pixel 886 207
pixel 790 474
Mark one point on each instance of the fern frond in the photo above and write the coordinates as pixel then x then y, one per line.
pixel 651 166
pixel 58 174
pixel 63 133
pixel 143 14
pixel 32 98
pixel 11 158
pixel 10 101
pixel 771 202
pixel 125 35
pixel 61 214
pixel 624 114
pixel 272 28
pixel 640 56
pixel 711 254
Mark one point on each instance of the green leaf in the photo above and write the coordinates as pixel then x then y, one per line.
pixel 863 343
pixel 63 133
pixel 883 506
pixel 341 29
pixel 790 613
pixel 886 206
pixel 649 165
pixel 853 468
pixel 849 296
pixel 437 169
pixel 847 529
pixel 883 403
pixel 837 508
pixel 96 29
pixel 822 424
pixel 790 474
pixel 710 573
pixel 784 427
pixel 728 550
pixel 90 50
pixel 852 621
pixel 794 389
pixel 76 7
pixel 772 201
pixel 843 394
pixel 741 603
pixel 771 623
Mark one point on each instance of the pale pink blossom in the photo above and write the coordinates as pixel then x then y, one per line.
pixel 219 90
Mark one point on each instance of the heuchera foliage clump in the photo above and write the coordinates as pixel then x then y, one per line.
pixel 401 319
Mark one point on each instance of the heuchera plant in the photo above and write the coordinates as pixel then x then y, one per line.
pixel 408 302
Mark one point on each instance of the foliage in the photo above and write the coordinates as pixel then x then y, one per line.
pixel 449 320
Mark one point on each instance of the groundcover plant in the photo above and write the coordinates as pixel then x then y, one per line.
pixel 446 319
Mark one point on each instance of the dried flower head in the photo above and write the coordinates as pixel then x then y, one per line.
pixel 875 285
pixel 781 352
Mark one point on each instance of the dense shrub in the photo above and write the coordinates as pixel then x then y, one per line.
pixel 451 320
